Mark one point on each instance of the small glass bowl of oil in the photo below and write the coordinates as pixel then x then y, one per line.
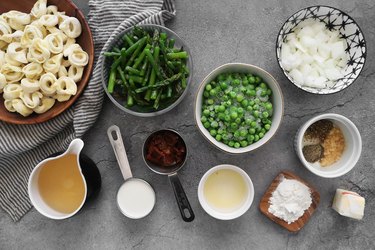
pixel 225 192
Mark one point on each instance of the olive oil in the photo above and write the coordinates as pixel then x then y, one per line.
pixel 225 190
pixel 61 185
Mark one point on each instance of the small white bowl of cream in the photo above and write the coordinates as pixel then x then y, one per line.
pixel 225 192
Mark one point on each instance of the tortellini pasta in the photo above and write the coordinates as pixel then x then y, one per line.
pixel 29 85
pixel 71 27
pixel 40 61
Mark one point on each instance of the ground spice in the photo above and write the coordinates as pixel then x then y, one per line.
pixel 323 142
pixel 319 130
pixel 313 153
pixel 334 146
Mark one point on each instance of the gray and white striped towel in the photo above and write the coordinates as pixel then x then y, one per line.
pixel 23 146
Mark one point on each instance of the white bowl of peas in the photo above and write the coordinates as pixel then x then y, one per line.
pixel 238 107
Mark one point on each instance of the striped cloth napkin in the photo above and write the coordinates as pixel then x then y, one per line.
pixel 23 146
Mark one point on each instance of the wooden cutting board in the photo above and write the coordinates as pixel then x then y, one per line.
pixel 301 222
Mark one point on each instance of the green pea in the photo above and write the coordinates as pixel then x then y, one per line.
pixel 233 125
pixel 256 100
pixel 265 114
pixel 255 106
pixel 267 127
pixel 223 85
pixel 240 110
pixel 208 87
pixel 253 124
pixel 252 103
pixel 269 91
pixel 251 79
pixel 245 82
pixel 231 143
pixel 227 118
pixel 243 132
pixel 256 113
pixel 237 145
pixel 224 136
pixel 233 115
pixel 250 138
pixel 221 116
pixel 206 94
pixel 249 108
pixel 221 108
pixel 213 92
pixel 244 143
pixel 206 112
pixel 248 121
pixel 206 124
pixel 256 137
pixel 203 119
pixel 251 131
pixel 251 87
pixel 261 135
pixel 232 94
pixel 214 124
pixel 237 120
pixel 239 97
pixel 263 85
pixel 213 132
pixel 244 103
pixel 268 106
pixel 220 131
pixel 210 101
pixel 258 79
pixel 236 134
pixel 218 137
pixel 236 82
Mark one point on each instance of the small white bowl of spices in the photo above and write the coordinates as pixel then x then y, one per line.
pixel 329 145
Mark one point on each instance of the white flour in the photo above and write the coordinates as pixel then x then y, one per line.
pixel 290 200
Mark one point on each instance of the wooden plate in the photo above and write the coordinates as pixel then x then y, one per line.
pixel 298 224
pixel 86 42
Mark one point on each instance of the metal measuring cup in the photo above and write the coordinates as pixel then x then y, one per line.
pixel 137 200
pixel 171 171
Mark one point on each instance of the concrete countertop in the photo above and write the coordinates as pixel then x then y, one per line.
pixel 219 32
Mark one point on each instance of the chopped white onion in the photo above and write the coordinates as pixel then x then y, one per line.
pixel 313 55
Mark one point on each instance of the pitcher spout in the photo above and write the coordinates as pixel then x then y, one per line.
pixel 75 147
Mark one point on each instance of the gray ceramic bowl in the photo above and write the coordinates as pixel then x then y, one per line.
pixel 138 110
pixel 277 101
pixel 337 20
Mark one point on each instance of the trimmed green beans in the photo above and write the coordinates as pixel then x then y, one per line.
pixel 237 109
pixel 147 70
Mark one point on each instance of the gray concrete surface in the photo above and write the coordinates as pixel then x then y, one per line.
pixel 218 32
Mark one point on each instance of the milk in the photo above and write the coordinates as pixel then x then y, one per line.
pixel 136 198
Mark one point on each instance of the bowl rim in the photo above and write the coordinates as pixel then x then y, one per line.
pixel 222 215
pixel 158 112
pixel 284 71
pixel 338 118
pixel 216 143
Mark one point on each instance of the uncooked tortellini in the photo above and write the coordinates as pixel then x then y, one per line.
pixel 47 84
pixel 12 91
pixel 66 86
pixel 29 85
pixel 71 27
pixel 40 61
pixel 38 51
pixel 46 103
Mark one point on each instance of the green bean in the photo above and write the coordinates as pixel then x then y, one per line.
pixel 157 100
pixel 171 43
pixel 169 91
pixel 160 83
pixel 183 82
pixel 132 70
pixel 139 60
pixel 123 78
pixel 136 52
pixel 111 53
pixel 127 39
pixel 144 67
pixel 134 78
pixel 152 61
pixel 130 101
pixel 147 77
pixel 111 81
pixel 177 55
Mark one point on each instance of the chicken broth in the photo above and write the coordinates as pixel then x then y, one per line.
pixel 61 185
